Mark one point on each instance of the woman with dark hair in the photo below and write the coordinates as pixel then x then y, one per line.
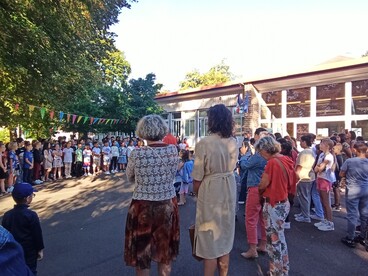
pixel 346 151
pixel 215 160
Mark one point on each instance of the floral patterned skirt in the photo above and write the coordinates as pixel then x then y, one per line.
pixel 152 232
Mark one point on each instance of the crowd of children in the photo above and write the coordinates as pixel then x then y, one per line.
pixel 36 162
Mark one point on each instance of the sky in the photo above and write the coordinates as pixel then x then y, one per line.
pixel 256 38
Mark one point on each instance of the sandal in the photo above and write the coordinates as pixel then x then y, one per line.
pixel 249 255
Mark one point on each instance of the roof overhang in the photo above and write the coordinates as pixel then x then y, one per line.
pixel 350 70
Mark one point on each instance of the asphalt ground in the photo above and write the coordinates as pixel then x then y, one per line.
pixel 83 223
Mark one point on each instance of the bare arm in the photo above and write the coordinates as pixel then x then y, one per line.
pixel 196 185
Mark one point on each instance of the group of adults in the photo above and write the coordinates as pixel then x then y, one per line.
pixel 152 227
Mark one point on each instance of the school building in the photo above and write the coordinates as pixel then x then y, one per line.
pixel 327 98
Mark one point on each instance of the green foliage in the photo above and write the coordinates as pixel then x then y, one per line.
pixel 4 135
pixel 61 55
pixel 217 74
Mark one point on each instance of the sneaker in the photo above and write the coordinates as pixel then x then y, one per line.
pixel 303 219
pixel 348 242
pixel 287 225
pixel 112 171
pixel 321 223
pixel 316 217
pixel 89 174
pixel 107 172
pixel 298 215
pixel 85 174
pixel 10 189
pixel 359 239
pixel 329 226
pixel 337 208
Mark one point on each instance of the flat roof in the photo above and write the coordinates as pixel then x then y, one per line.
pixel 345 70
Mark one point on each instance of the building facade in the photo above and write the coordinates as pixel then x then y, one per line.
pixel 326 99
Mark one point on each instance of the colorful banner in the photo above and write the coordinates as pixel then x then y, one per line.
pixel 70 117
pixel 61 115
pixel 43 111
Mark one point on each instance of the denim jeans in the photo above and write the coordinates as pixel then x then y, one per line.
pixel 317 201
pixel 356 207
pixel 304 190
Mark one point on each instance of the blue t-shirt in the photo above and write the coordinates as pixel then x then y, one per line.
pixel 13 161
pixel 29 156
pixel 356 171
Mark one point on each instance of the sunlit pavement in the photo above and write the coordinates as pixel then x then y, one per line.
pixel 83 224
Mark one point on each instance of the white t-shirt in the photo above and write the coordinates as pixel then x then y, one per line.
pixel 68 155
pixel 327 174
pixel 115 151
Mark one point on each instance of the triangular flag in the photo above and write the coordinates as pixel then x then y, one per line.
pixel 68 118
pixel 85 120
pixel 107 121
pixel 43 110
pixel 111 121
pixel 95 120
pixel 79 118
pixel 91 120
pixel 74 117
pixel 31 108
pixel 61 115
pixel 99 121
pixel 52 113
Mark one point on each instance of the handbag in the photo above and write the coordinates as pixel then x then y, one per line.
pixel 191 236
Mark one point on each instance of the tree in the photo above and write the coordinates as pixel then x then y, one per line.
pixel 217 74
pixel 53 51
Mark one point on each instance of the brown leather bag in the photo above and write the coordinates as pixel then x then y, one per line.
pixel 191 236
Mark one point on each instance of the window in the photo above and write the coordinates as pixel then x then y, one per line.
pixel 203 127
pixel 273 104
pixel 331 100
pixel 298 102
pixel 361 128
pixel 326 129
pixel 359 97
pixel 189 127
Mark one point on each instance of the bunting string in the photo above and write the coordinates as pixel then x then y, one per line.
pixel 70 117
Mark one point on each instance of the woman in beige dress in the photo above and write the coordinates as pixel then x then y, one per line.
pixel 214 183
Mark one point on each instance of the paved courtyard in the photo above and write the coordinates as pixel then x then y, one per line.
pixel 83 224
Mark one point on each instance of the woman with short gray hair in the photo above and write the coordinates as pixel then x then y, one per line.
pixel 153 211
pixel 278 181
